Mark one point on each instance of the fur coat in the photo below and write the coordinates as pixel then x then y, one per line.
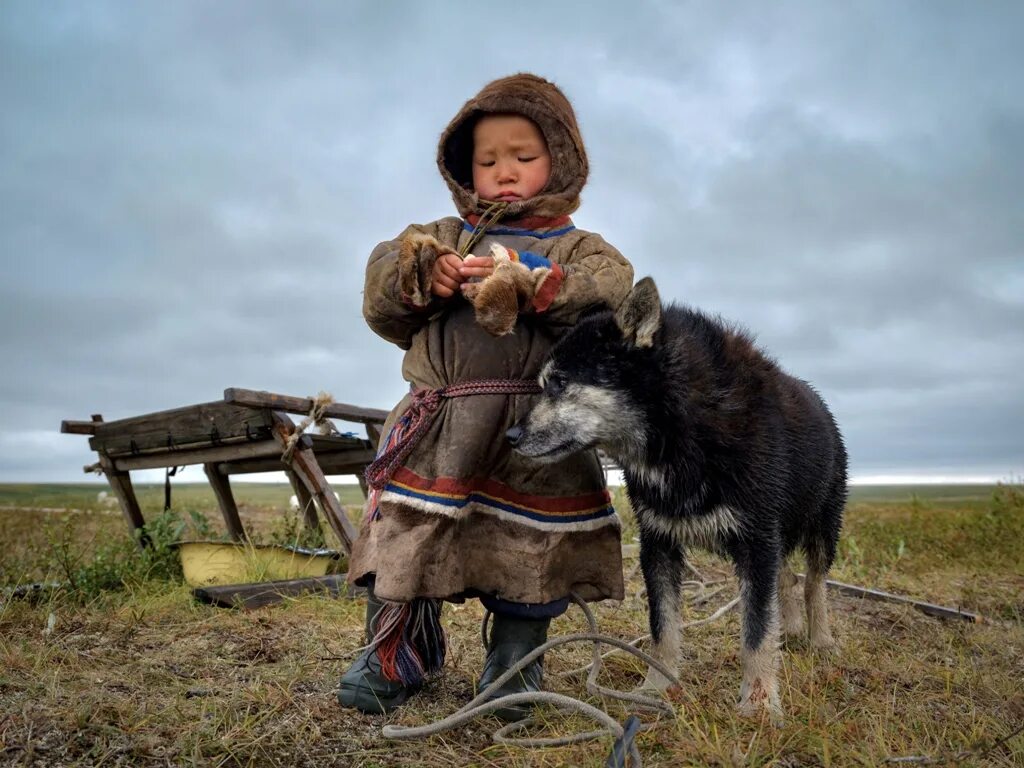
pixel 464 514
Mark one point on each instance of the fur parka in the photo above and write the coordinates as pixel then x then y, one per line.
pixel 464 514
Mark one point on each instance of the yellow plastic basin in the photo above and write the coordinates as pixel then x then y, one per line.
pixel 207 563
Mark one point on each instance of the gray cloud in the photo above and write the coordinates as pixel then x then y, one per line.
pixel 190 192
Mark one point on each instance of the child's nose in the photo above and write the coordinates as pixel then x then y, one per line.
pixel 506 172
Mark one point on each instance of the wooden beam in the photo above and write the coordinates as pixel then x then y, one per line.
pixel 340 464
pixel 252 466
pixel 938 611
pixel 247 450
pixel 306 503
pixel 69 427
pixel 373 433
pixel 194 426
pixel 226 500
pixel 121 485
pixel 82 427
pixel 343 411
pixel 249 596
pixel 306 468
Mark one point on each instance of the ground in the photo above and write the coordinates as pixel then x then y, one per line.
pixel 125 668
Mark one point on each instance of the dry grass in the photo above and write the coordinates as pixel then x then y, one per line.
pixel 146 676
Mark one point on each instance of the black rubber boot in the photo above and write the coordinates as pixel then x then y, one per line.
pixel 512 639
pixel 362 686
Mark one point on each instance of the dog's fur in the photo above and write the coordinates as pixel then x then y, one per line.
pixel 720 449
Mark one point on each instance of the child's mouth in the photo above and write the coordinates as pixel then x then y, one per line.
pixel 507 196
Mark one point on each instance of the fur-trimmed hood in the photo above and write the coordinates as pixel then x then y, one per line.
pixel 541 101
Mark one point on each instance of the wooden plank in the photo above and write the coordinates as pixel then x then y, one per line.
pixel 331 464
pixel 226 500
pixel 252 466
pixel 224 453
pixel 304 464
pixel 121 485
pixel 938 611
pixel 202 425
pixel 334 443
pixel 249 596
pixel 82 427
pixel 306 503
pixel 867 593
pixel 69 427
pixel 373 432
pixel 343 411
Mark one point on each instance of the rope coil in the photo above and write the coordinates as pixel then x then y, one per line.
pixel 623 734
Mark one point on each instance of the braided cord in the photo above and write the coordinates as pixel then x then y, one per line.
pixel 420 415
pixel 491 216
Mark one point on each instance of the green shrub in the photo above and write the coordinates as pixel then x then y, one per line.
pixel 90 568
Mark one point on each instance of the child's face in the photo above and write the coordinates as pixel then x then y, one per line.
pixel 510 158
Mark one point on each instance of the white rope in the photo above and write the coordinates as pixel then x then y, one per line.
pixel 479 705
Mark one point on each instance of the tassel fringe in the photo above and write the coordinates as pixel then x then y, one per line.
pixel 409 640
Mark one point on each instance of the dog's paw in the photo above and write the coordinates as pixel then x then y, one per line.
pixel 760 700
pixel 655 682
pixel 823 642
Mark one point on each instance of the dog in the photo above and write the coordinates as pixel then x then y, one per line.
pixel 720 450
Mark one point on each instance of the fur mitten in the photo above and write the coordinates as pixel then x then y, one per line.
pixel 506 292
pixel 416 259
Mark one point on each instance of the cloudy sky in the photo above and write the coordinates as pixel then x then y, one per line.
pixel 189 191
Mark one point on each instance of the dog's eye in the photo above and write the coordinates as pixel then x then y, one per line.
pixel 555 385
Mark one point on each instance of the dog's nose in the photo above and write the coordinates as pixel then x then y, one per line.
pixel 514 434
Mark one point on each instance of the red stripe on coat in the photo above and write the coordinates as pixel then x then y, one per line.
pixel 548 289
pixel 451 486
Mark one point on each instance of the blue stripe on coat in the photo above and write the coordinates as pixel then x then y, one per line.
pixel 533 260
pixel 522 232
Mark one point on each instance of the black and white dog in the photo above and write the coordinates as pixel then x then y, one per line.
pixel 720 449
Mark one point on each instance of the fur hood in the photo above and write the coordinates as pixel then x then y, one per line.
pixel 541 101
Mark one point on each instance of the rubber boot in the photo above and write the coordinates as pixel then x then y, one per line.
pixel 512 639
pixel 362 685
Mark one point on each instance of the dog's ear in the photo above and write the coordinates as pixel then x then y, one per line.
pixel 639 317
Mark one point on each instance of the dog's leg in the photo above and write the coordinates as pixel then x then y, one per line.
pixel 790 608
pixel 758 570
pixel 814 597
pixel 661 559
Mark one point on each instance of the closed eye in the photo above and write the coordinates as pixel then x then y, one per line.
pixel 527 159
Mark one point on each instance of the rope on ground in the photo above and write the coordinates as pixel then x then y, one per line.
pixel 316 416
pixel 479 705
pixel 644 638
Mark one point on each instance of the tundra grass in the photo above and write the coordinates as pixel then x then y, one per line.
pixel 141 674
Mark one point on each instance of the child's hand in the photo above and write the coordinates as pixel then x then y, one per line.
pixel 476 266
pixel 446 276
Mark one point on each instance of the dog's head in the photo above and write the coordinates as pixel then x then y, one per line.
pixel 589 382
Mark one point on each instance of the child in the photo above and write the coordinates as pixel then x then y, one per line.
pixel 455 513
